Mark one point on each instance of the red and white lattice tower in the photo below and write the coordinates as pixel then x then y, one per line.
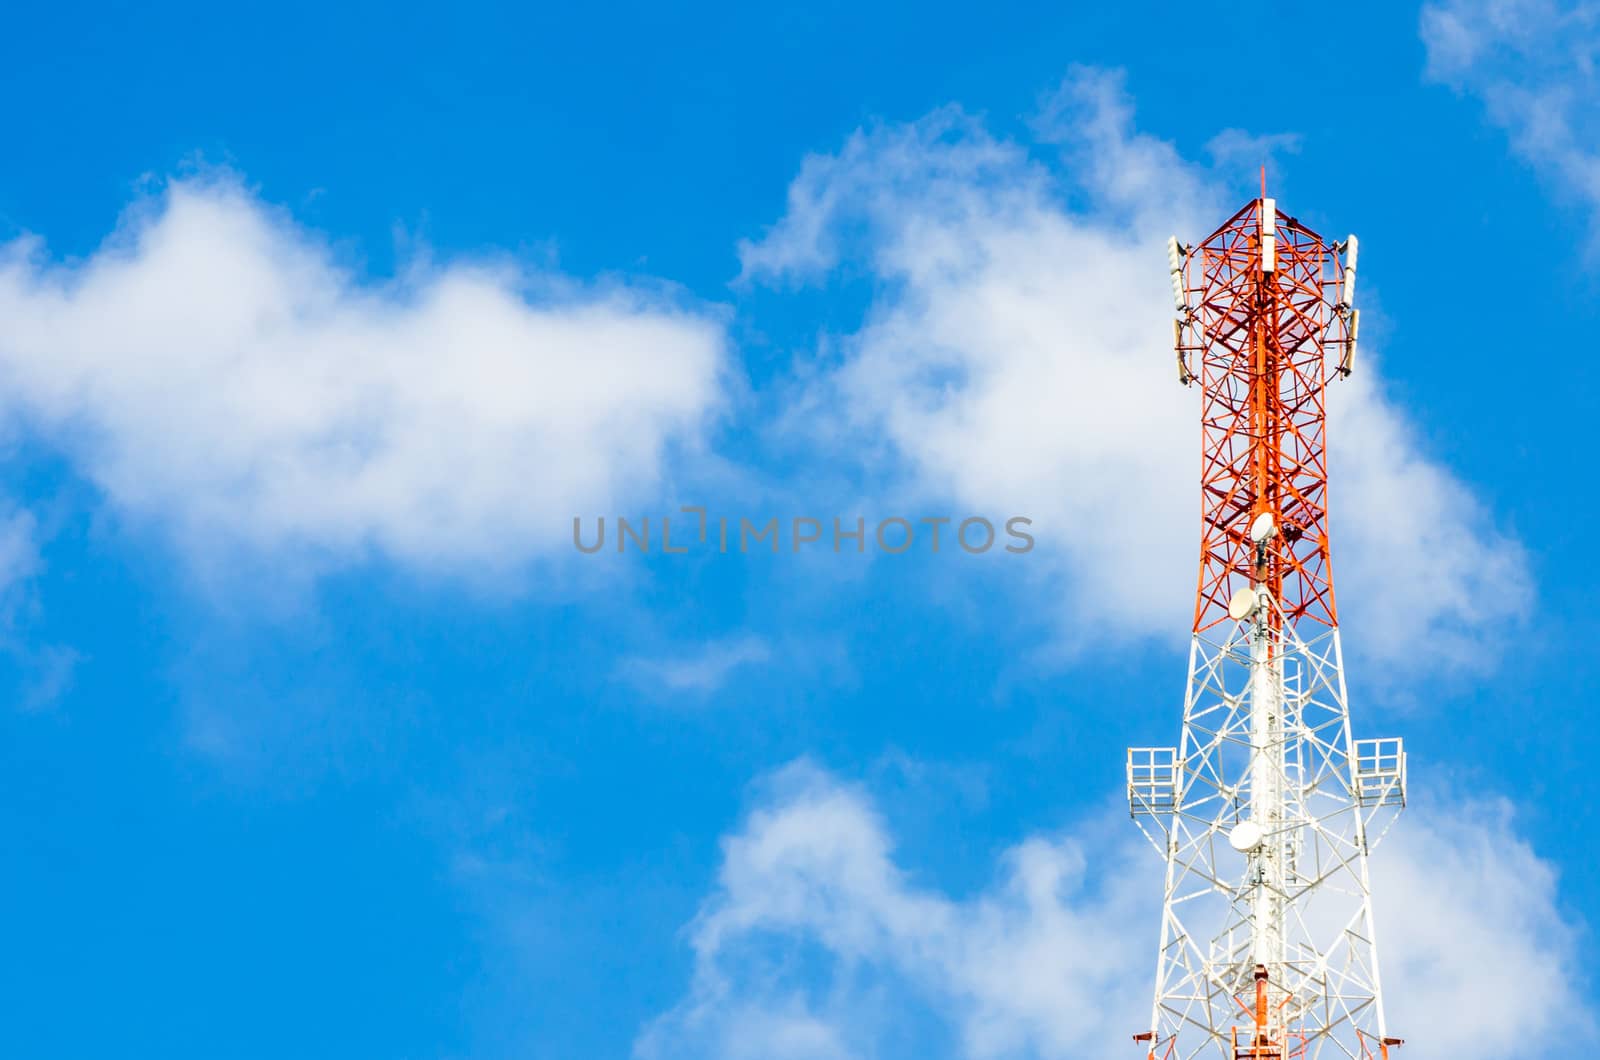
pixel 1267 808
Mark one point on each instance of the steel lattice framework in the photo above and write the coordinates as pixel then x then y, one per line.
pixel 1267 808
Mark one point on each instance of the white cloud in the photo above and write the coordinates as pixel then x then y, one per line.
pixel 813 919
pixel 1015 358
pixel 818 943
pixel 1532 63
pixel 214 369
pixel 19 549
pixel 1416 556
pixel 701 670
pixel 1240 149
pixel 1472 926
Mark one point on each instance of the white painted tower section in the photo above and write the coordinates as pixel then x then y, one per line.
pixel 1266 794
pixel 1266 742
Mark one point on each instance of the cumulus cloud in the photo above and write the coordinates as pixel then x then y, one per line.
pixel 814 924
pixel 819 943
pixel 1015 357
pixel 217 371
pixel 1472 926
pixel 1532 64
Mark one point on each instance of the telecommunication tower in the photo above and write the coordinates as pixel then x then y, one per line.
pixel 1267 808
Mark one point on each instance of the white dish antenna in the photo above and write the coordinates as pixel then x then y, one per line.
pixel 1245 837
pixel 1263 529
pixel 1242 605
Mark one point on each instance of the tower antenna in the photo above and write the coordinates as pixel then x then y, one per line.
pixel 1267 808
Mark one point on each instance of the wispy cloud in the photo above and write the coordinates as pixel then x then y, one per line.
pixel 19 548
pixel 819 943
pixel 1532 63
pixel 1011 360
pixel 1238 149
pixel 45 672
pixel 700 670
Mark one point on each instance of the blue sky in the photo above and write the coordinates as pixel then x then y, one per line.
pixel 317 329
